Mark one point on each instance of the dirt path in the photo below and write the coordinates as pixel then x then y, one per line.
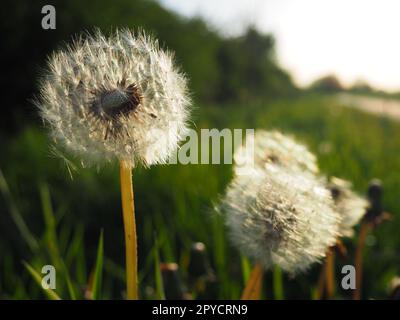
pixel 380 106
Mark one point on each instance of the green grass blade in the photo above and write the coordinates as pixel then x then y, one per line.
pixel 278 283
pixel 98 271
pixel 51 294
pixel 23 229
pixel 70 285
pixel 246 268
pixel 75 254
pixel 52 239
pixel 157 273
pixel 50 225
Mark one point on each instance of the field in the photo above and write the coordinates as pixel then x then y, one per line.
pixel 53 210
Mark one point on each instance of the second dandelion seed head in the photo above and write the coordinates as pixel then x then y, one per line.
pixel 273 147
pixel 279 218
pixel 280 212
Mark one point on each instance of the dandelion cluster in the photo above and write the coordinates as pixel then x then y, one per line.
pixel 117 97
pixel 281 212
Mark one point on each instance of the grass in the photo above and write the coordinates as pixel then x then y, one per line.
pixel 50 218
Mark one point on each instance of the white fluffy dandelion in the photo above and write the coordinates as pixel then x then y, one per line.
pixel 273 147
pixel 118 97
pixel 350 205
pixel 279 218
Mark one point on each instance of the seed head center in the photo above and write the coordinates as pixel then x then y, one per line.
pixel 118 102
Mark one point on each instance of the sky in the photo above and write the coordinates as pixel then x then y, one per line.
pixel 353 39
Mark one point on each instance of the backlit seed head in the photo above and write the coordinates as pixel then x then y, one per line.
pixel 279 218
pixel 117 97
pixel 273 147
pixel 351 206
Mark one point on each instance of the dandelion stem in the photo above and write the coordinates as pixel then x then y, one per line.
pixel 330 273
pixel 252 291
pixel 128 211
pixel 321 283
pixel 364 229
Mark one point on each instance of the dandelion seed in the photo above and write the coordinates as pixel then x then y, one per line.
pixel 69 165
pixel 279 218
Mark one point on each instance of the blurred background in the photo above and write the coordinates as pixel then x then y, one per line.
pixel 326 72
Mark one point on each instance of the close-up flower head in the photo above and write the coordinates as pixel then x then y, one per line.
pixel 277 218
pixel 115 97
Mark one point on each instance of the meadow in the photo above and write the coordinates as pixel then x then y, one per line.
pixel 54 211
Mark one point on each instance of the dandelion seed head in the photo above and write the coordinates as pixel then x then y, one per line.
pixel 273 147
pixel 279 218
pixel 350 205
pixel 117 97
